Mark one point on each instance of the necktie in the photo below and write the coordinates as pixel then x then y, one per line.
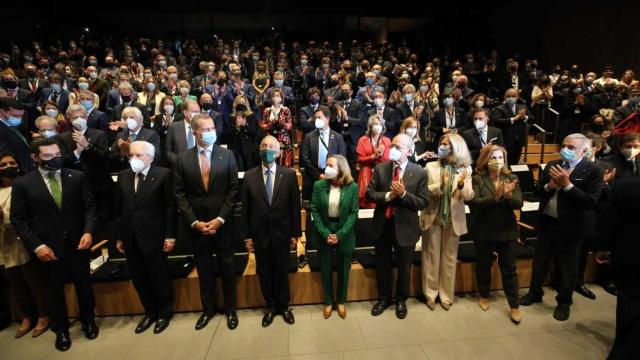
pixel 190 140
pixel 269 185
pixel 322 153
pixel 566 165
pixel 634 168
pixel 204 167
pixel 133 137
pixel 56 191
pixel 140 182
pixel 396 177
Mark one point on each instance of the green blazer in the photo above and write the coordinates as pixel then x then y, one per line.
pixel 320 215
pixel 491 220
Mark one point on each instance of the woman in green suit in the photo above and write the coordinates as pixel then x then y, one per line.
pixel 334 213
pixel 493 225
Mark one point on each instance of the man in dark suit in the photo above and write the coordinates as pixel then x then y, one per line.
pixel 53 212
pixel 23 96
pixel 119 151
pixel 145 232
pixel 271 216
pixel 624 248
pixel 481 134
pixel 391 116
pixel 33 82
pixel 512 117
pixel 128 99
pixel 206 104
pixel 55 93
pixel 626 160
pixel 449 118
pixel 349 120
pixel 631 107
pixel 410 107
pixel 306 118
pixel 206 187
pixel 115 96
pixel 11 139
pixel 86 149
pixel 399 189
pixel 569 190
pixel 316 146
pixel 96 119
pixel 179 134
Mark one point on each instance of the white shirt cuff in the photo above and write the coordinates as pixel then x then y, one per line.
pixel 568 187
pixel 170 240
pixel 38 248
pixel 387 196
pixel 193 224
pixel 221 219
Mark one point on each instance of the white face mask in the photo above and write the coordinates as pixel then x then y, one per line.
pixel 319 123
pixel 277 100
pixel 630 153
pixel 51 112
pixel 79 124
pixel 411 131
pixel 379 103
pixel 395 154
pixel 137 165
pixel 377 129
pixel 184 90
pixel 168 109
pixel 132 124
pixel 479 103
pixel 48 133
pixel 330 172
pixel 479 124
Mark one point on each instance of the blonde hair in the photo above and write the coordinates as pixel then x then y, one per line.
pixel 460 155
pixel 483 159
pixel 344 172
pixel 408 122
pixel 247 110
pixel 370 124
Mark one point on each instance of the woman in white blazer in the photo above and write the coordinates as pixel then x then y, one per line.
pixel 151 97
pixel 444 220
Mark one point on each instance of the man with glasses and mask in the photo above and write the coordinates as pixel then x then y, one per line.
pixel 399 189
pixel 53 212
pixel 11 139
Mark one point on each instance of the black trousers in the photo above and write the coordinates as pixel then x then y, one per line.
pixel 203 248
pixel 385 247
pixel 150 277
pixel 513 153
pixel 626 343
pixel 557 244
pixel 272 266
pixel 73 264
pixel 507 258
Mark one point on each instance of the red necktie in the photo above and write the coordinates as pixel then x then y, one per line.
pixel 396 177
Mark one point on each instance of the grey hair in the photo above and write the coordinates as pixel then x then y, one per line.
pixel 194 121
pixel 409 87
pixel 48 118
pixel 125 86
pixel 74 108
pixel 134 110
pixel 585 143
pixel 459 150
pixel 271 138
pixel 148 147
pixel 370 123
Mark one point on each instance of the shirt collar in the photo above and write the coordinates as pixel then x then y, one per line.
pixel 136 133
pixel 80 132
pixel 272 167
pixel 208 148
pixel 402 166
pixel 145 171
pixel 574 163
pixel 45 172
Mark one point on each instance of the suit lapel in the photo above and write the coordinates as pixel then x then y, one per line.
pixel 195 158
pixel 43 188
pixel 259 181
pixel 213 162
pixel 276 185
pixel 65 179
pixel 148 181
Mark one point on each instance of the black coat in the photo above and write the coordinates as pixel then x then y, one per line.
pixel 514 134
pixel 474 143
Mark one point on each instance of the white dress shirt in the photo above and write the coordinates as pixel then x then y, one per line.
pixel 334 201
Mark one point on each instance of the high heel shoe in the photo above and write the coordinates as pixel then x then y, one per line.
pixel 342 311
pixel 484 304
pixel 327 311
pixel 515 316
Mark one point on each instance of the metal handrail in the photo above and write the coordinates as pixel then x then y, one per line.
pixel 543 140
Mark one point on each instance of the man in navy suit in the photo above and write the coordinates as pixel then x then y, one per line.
pixel 316 146
pixel 287 92
pixel 115 96
pixel 134 131
pixel 55 93
pixel 11 140
pixel 96 119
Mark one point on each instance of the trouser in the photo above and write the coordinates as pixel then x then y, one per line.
pixel 439 262
pixel 625 345
pixel 556 244
pixel 26 285
pixel 385 247
pixel 272 266
pixel 203 248
pixel 507 257
pixel 75 263
pixel 327 253
pixel 513 153
pixel 150 277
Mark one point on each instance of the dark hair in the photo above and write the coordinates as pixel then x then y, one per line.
pixel 8 103
pixel 41 141
pixel 482 110
pixel 325 111
pixel 55 77
pixel 312 91
pixel 628 137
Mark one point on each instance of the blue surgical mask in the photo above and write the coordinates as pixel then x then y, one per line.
pixel 448 101
pixel 268 156
pixel 369 81
pixel 83 85
pixel 151 86
pixel 55 87
pixel 48 133
pixel 443 151
pixel 567 154
pixel 209 137
pixel 279 83
pixel 510 101
pixel 87 104
pixel 14 121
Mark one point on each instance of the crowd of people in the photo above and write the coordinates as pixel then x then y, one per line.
pixel 375 126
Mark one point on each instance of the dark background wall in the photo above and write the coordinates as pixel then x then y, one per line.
pixel 590 33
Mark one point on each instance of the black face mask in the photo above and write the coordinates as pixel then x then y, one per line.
pixel 333 83
pixel 461 86
pixel 9 84
pixel 52 164
pixel 126 99
pixel 241 108
pixel 221 82
pixel 10 172
pixel 597 128
pixel 207 106
pixel 31 73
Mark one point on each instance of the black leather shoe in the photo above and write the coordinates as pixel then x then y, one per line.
pixel 161 324
pixel 530 299
pixel 584 291
pixel 90 329
pixel 380 307
pixel 63 341
pixel 232 320
pixel 287 315
pixel 267 319
pixel 401 309
pixel 145 324
pixel 203 321
pixel 561 313
pixel 610 287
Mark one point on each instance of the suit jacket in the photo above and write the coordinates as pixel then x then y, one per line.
pixel 62 100
pixel 41 85
pixel 148 216
pixel 117 111
pixel 98 120
pixel 12 141
pixel 306 119
pixel 626 200
pixel 271 225
pixel 440 121
pixel 176 141
pixel 118 162
pixel 514 134
pixel 348 205
pixel 356 123
pixel 490 220
pixel 458 197
pixel 624 168
pixel 197 204
pixel 310 152
pixel 474 143
pixel 93 161
pixel 37 219
pixel 392 120
pixel 405 111
pixel 576 206
pixel 405 208
pixel 114 99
